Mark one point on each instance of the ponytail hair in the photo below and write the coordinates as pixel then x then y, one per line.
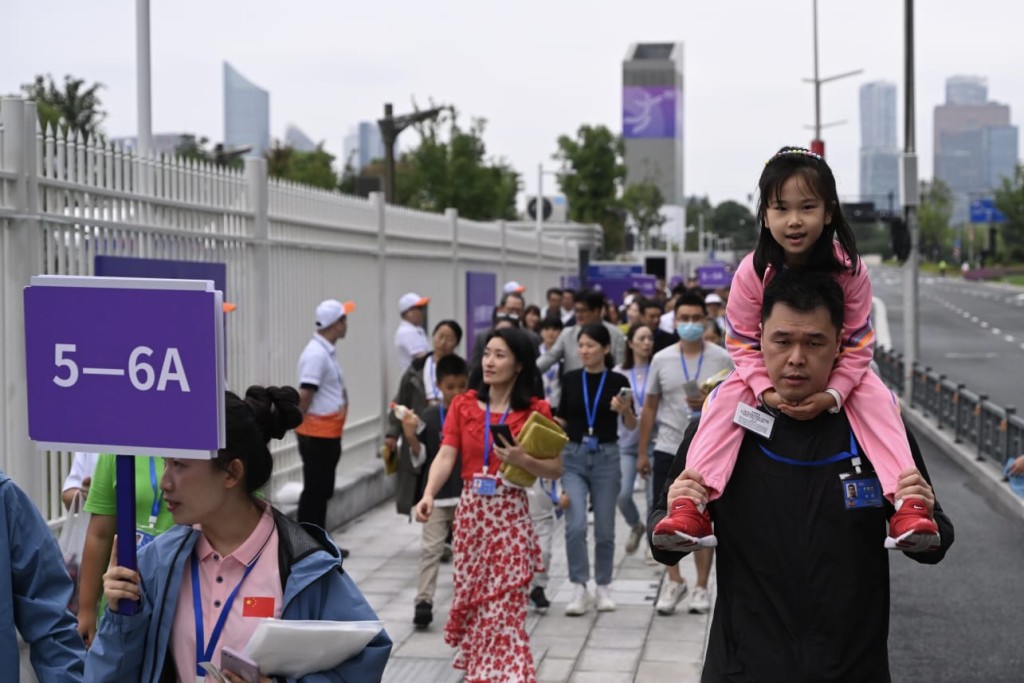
pixel 265 413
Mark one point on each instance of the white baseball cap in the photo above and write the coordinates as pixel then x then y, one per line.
pixel 411 300
pixel 331 311
pixel 513 287
pixel 712 298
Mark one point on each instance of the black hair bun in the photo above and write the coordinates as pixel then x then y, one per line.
pixel 276 410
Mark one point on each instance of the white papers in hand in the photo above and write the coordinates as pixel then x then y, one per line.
pixel 298 648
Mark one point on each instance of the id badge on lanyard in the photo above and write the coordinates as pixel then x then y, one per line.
pixel 860 489
pixel 486 484
pixel 591 442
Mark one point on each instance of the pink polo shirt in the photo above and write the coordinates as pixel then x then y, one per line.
pixel 218 576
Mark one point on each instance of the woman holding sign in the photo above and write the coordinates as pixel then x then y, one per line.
pixel 496 548
pixel 233 560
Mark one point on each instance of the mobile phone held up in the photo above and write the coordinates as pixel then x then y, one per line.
pixel 625 394
pixel 501 435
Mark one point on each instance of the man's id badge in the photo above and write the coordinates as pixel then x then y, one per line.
pixel 485 484
pixel 861 490
pixel 754 420
pixel 590 443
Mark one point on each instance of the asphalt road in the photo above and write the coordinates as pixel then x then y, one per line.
pixel 962 619
pixel 971 332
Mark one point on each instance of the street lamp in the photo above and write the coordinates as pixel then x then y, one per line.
pixel 390 126
pixel 818 145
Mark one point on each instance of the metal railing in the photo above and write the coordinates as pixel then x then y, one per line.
pixel 994 432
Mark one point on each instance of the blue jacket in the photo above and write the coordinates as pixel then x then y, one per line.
pixel 34 594
pixel 137 648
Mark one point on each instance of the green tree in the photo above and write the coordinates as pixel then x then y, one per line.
pixel 734 220
pixel 643 202
pixel 696 207
pixel 308 168
pixel 933 217
pixel 1009 200
pixel 593 172
pixel 450 169
pixel 75 107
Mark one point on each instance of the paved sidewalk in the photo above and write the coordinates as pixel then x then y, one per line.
pixel 631 644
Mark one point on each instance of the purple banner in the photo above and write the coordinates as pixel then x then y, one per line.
pixel 480 303
pixel 649 111
pixel 614 289
pixel 122 266
pixel 713 276
pixel 129 370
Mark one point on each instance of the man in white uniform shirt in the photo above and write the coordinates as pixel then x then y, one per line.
pixel 410 337
pixel 674 399
pixel 324 400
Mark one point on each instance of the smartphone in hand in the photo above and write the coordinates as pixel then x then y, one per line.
pixel 625 394
pixel 505 432
pixel 239 663
pixel 692 389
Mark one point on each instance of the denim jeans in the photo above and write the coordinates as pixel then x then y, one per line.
pixel 627 462
pixel 598 475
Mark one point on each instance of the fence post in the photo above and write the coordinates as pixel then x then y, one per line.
pixel 1004 438
pixel 938 401
pixel 453 223
pixel 978 425
pixel 259 272
pixel 504 253
pixel 23 259
pixel 956 413
pixel 380 209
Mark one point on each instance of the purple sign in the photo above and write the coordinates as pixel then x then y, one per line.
pixel 480 303
pixel 121 365
pixel 649 111
pixel 123 266
pixel 614 289
pixel 713 276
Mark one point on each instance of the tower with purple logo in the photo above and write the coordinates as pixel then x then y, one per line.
pixel 652 117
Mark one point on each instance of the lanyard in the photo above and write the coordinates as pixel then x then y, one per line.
pixel 206 654
pixel 157 493
pixel 592 414
pixel 852 453
pixel 700 362
pixel 487 433
pixel 641 391
pixel 431 372
pixel 440 407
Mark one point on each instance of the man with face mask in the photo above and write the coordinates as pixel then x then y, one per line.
pixel 674 398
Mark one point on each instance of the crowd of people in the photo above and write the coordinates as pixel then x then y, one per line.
pixel 692 399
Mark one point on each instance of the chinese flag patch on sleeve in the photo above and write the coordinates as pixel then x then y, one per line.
pixel 258 607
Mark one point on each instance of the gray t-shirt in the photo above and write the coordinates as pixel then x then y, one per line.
pixel 667 379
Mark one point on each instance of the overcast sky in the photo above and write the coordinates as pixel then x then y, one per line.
pixel 534 69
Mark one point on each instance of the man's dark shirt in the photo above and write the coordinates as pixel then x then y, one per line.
pixel 803 582
pixel 663 339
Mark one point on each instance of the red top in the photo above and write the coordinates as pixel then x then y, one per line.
pixel 464 430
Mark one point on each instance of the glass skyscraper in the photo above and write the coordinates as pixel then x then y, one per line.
pixel 879 155
pixel 246 113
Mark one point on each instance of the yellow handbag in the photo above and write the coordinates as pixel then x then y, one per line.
pixel 540 437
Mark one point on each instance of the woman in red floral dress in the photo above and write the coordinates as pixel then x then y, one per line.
pixel 496 549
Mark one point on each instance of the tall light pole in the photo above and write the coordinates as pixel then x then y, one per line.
pixel 390 126
pixel 817 144
pixel 144 141
pixel 911 190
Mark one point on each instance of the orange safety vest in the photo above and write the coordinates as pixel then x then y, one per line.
pixel 329 426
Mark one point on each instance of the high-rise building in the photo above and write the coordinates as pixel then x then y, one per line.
pixel 652 117
pixel 162 143
pixel 363 144
pixel 246 113
pixel 297 140
pixel 976 146
pixel 879 155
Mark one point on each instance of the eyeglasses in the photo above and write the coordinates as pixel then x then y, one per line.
pixel 507 316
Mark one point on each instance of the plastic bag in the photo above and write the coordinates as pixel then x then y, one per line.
pixel 72 544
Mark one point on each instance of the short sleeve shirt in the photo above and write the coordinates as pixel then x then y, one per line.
pixel 464 430
pixel 318 366
pixel 667 378
pixel 410 340
pixel 82 466
pixel 102 498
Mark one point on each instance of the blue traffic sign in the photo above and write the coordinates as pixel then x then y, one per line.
pixel 985 211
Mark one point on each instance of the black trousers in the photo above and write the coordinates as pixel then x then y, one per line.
pixel 661 463
pixel 319 460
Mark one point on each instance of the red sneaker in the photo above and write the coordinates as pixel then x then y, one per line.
pixel 686 527
pixel 911 528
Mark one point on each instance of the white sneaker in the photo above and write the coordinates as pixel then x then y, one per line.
pixel 604 599
pixel 648 557
pixel 699 601
pixel 670 595
pixel 636 534
pixel 577 606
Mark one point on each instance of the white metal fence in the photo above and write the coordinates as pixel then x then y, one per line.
pixel 286 247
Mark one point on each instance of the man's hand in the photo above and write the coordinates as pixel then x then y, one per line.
pixel 912 484
pixel 643 463
pixel 695 403
pixel 1017 468
pixel 810 408
pixel 689 484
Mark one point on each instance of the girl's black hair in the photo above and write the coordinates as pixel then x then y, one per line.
pixel 816 174
pixel 266 413
pixel 629 360
pixel 521 346
pixel 455 327
pixel 599 333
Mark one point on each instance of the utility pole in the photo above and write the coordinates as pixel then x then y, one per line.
pixel 911 196
pixel 390 126
pixel 817 144
pixel 144 141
